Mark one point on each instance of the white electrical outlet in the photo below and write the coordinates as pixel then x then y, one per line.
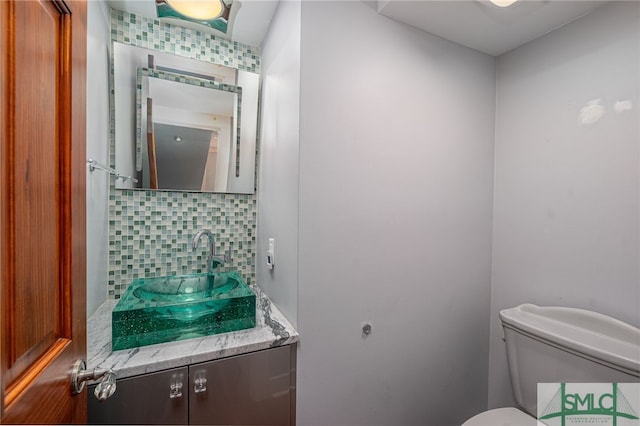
pixel 271 254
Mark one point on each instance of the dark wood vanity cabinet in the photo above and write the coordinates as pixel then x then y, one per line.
pixel 257 388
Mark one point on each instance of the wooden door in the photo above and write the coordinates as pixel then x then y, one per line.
pixel 42 209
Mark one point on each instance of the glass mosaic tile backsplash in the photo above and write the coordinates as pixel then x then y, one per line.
pixel 152 34
pixel 150 232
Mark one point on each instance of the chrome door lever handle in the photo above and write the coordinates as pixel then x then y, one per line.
pixel 80 375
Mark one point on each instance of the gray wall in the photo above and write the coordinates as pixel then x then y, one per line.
pixel 566 209
pixel 98 42
pixel 396 176
pixel 278 167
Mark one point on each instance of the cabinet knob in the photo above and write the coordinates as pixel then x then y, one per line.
pixel 199 382
pixel 175 391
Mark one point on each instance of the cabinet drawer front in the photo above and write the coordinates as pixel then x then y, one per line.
pixel 250 389
pixel 155 398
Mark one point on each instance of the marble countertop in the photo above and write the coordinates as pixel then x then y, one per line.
pixel 272 330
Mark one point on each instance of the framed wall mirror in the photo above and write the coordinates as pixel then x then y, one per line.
pixel 182 124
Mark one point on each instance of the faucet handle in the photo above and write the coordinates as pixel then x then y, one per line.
pixel 216 261
pixel 227 254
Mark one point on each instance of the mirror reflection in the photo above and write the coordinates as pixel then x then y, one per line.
pixel 188 132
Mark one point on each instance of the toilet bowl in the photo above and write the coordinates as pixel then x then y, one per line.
pixel 584 346
pixel 508 416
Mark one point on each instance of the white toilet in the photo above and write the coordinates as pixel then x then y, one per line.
pixel 584 347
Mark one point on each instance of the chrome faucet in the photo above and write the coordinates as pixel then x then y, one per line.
pixel 213 259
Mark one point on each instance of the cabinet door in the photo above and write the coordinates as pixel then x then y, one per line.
pixel 250 389
pixel 155 398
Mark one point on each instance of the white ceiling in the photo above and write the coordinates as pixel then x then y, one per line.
pixel 249 26
pixel 483 26
pixel 477 24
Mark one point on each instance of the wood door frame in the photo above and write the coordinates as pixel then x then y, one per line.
pixel 22 402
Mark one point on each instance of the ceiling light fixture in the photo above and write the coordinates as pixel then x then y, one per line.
pixel 214 14
pixel 503 3
pixel 198 9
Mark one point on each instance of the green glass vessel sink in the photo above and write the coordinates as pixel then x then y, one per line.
pixel 166 309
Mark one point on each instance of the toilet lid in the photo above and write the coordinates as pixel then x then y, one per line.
pixel 501 417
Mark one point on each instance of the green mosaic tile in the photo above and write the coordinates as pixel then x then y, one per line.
pixel 153 34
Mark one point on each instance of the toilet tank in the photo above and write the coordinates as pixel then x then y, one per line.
pixel 556 344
